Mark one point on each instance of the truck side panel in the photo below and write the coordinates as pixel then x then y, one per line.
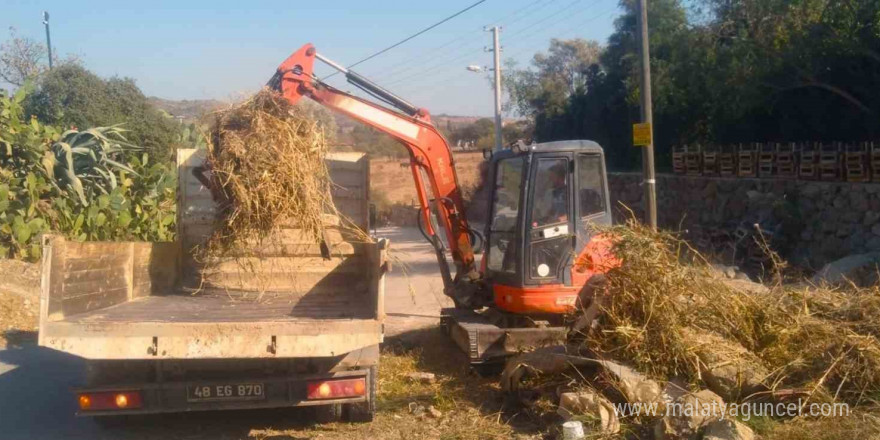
pixel 87 276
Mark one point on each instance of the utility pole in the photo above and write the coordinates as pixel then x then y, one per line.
pixel 647 119
pixel 48 40
pixel 496 47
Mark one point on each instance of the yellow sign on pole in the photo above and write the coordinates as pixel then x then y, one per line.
pixel 642 134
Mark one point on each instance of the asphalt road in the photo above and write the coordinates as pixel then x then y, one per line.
pixel 35 383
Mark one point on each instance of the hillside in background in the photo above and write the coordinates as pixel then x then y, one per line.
pixel 191 109
pixel 443 121
pixel 471 132
pixel 188 109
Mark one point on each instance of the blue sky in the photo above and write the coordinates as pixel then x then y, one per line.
pixel 228 49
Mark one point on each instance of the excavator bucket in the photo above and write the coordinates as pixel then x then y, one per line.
pixel 295 71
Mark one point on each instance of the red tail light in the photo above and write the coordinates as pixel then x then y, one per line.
pixel 335 389
pixel 110 400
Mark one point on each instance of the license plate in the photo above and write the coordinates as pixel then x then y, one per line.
pixel 225 391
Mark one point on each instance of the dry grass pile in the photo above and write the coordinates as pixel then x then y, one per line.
pixel 822 343
pixel 267 162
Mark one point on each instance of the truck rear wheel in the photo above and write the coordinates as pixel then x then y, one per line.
pixel 363 412
pixel 328 413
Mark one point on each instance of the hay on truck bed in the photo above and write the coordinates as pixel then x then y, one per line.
pixel 267 163
pixel 270 180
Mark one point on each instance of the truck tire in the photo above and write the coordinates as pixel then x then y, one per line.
pixel 331 413
pixel 363 412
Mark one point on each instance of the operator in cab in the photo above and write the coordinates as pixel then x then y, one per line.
pixel 554 199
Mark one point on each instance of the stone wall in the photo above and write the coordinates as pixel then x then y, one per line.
pixel 811 222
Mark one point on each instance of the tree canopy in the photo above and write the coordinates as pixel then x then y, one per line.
pixel 71 96
pixel 23 59
pixel 722 72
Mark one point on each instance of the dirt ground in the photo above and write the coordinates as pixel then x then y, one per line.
pixel 18 318
pixel 393 179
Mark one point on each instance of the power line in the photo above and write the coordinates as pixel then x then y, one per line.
pixel 579 23
pixel 604 13
pixel 500 21
pixel 410 64
pixel 441 85
pixel 513 55
pixel 413 35
pixel 441 63
pixel 434 69
pixel 544 20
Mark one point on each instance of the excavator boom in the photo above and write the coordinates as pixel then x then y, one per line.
pixel 411 126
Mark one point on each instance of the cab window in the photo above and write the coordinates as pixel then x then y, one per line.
pixel 505 212
pixel 551 193
pixel 591 194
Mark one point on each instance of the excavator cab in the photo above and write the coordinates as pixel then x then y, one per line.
pixel 545 204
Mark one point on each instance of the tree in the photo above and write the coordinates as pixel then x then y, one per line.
pixel 727 72
pixel 23 59
pixel 518 130
pixel 72 96
pixel 480 134
pixel 553 77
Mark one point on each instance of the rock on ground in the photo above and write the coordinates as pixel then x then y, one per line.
pixel 590 402
pixel 727 429
pixel 860 269
pixel 687 415
pixel 728 368
pixel 419 377
pixel 636 387
pixel 434 412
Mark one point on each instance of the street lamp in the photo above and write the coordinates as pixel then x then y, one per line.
pixel 480 69
pixel 48 41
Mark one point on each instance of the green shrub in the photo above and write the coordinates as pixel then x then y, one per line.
pixel 88 185
pixel 72 96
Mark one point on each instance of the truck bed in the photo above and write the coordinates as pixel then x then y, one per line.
pixel 123 300
pixel 279 296
pixel 215 305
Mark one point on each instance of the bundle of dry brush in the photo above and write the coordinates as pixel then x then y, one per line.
pixel 266 159
pixel 669 316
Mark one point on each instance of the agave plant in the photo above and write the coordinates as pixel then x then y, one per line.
pixel 84 161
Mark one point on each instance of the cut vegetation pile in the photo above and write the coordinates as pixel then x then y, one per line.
pixel 268 170
pixel 669 315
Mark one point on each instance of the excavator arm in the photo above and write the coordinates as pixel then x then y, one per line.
pixel 427 148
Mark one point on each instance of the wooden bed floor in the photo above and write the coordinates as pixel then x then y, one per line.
pixel 222 307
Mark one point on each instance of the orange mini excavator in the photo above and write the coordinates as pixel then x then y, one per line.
pixel 541 246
